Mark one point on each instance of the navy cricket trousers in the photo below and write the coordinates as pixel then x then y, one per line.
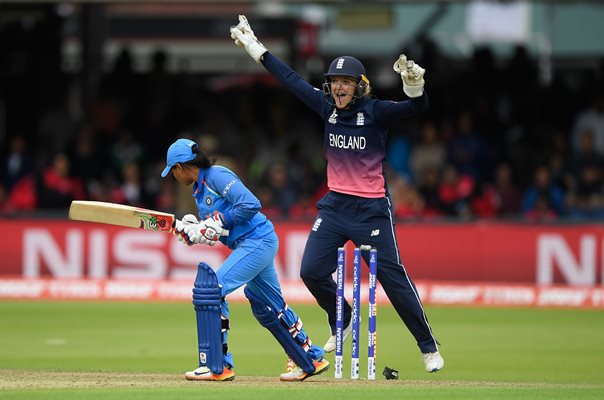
pixel 363 221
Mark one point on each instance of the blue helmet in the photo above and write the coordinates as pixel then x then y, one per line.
pixel 350 67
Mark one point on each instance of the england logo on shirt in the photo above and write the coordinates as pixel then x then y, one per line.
pixel 332 117
pixel 360 119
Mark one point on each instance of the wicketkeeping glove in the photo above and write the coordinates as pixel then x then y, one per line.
pixel 244 37
pixel 412 76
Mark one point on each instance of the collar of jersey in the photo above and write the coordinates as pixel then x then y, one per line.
pixel 200 180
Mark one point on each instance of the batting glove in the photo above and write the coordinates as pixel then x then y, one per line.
pixel 412 76
pixel 179 228
pixel 214 227
pixel 196 234
pixel 244 37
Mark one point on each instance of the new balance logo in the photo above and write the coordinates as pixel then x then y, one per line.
pixel 375 232
pixel 316 225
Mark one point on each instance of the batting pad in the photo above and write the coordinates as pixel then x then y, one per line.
pixel 269 319
pixel 206 300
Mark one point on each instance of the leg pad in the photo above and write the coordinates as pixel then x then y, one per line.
pixel 207 299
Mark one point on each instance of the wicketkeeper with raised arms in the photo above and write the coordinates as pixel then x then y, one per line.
pixel 230 213
pixel 358 206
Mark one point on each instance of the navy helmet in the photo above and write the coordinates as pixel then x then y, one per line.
pixel 346 66
pixel 350 67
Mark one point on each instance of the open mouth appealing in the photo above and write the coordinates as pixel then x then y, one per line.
pixel 341 97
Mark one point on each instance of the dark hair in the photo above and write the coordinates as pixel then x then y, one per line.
pixel 201 160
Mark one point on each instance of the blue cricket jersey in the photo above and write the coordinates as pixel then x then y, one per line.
pixel 219 190
pixel 354 143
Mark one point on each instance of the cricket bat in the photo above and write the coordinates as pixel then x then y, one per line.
pixel 122 215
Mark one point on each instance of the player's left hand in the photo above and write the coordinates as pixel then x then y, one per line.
pixel 214 228
pixel 412 76
pixel 195 234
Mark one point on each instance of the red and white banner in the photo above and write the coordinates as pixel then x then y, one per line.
pixel 435 293
pixel 470 260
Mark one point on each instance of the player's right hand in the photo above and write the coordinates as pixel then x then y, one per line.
pixel 180 225
pixel 243 35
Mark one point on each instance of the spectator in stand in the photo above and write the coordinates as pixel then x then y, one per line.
pixel 585 197
pixel 303 208
pixel 3 199
pixel 398 153
pixel 589 196
pixel 466 150
pixel 585 153
pixel 429 191
pixel 455 191
pixel 591 119
pixel 406 200
pixel 499 199
pixel 87 158
pixel 543 199
pixel 22 197
pixel 508 196
pixel 126 150
pixel 131 190
pixel 17 179
pixel 16 164
pixel 429 152
pixel 559 160
pixel 57 187
pixel 266 196
pixel 284 193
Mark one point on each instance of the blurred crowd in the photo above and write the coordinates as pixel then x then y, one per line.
pixel 497 142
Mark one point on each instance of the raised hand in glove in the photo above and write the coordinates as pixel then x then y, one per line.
pixel 412 76
pixel 244 37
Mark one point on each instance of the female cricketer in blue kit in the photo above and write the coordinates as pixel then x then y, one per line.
pixel 357 206
pixel 230 214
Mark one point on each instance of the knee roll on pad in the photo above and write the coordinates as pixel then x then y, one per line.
pixel 207 298
pixel 269 319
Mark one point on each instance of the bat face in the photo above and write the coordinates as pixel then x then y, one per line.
pixel 122 215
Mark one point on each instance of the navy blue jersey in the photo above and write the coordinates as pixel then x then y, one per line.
pixel 220 191
pixel 354 143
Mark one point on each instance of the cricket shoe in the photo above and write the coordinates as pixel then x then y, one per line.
pixel 297 374
pixel 434 361
pixel 331 343
pixel 204 374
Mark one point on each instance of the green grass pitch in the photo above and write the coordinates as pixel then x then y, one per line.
pixel 111 350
